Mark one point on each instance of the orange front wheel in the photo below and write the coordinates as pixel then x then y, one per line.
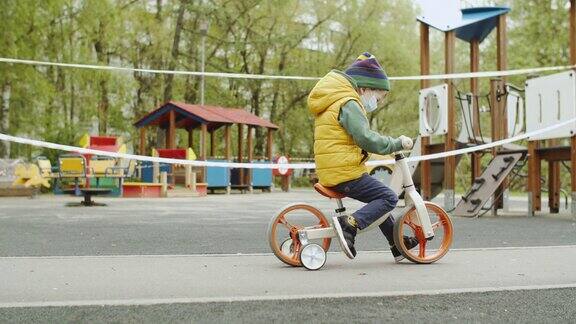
pixel 283 231
pixel 427 250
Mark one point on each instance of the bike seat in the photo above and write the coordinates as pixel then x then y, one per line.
pixel 327 192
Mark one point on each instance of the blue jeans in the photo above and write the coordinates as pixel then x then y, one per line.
pixel 379 200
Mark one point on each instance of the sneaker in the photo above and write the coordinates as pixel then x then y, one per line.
pixel 409 242
pixel 346 234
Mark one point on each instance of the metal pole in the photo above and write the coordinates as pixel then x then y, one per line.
pixel 202 68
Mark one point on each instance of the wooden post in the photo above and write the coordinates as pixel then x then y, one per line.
pixel 495 113
pixel 191 138
pixel 501 44
pixel 269 144
pixel 240 157
pixel 187 176
pixel 167 137
pixel 425 177
pixel 553 182
pixel 502 65
pixel 213 143
pixel 171 131
pixel 475 67
pixel 534 170
pixel 227 149
pixel 228 140
pixel 193 181
pixel 269 154
pixel 203 137
pixel 250 157
pixel 497 103
pixel 203 140
pixel 450 144
pixel 190 181
pixel 143 140
pixel 164 182
pixel 155 172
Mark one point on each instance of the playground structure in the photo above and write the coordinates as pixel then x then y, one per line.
pixel 173 171
pixel 88 173
pixel 548 100
pixel 102 143
pixel 105 171
pixel 208 120
pixel 474 26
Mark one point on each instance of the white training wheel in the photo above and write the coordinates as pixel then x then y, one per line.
pixel 312 256
pixel 287 247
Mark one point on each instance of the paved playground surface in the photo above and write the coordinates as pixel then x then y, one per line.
pixel 207 259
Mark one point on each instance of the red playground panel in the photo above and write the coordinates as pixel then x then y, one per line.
pixel 202 189
pixel 142 190
pixel 172 153
pixel 103 140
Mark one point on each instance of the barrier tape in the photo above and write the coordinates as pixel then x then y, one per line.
pixel 467 75
pixel 81 150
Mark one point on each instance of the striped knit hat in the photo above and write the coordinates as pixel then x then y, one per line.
pixel 368 73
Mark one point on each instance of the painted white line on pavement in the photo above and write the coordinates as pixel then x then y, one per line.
pixel 144 302
pixel 217 255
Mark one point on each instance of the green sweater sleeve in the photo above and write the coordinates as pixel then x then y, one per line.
pixel 356 124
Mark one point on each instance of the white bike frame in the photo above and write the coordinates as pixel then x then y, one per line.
pixel 411 196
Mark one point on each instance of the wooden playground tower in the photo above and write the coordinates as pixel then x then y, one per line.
pixel 473 30
pixel 551 152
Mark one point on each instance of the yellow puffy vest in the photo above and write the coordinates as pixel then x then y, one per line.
pixel 338 158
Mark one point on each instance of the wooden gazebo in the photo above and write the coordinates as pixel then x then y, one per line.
pixel 208 119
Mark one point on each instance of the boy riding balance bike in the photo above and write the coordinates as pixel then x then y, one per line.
pixel 300 234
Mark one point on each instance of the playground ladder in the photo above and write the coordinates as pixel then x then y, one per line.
pixel 486 185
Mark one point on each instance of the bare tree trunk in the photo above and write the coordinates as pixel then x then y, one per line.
pixel 191 92
pixel 61 87
pixel 159 10
pixel 72 103
pixel 71 53
pixel 103 57
pixel 103 106
pixel 174 54
pixel 5 118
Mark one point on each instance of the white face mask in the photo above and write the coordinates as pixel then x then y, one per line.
pixel 369 101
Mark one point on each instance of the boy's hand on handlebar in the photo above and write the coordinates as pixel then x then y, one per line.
pixel 406 142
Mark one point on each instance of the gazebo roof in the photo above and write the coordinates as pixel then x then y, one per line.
pixel 473 23
pixel 192 116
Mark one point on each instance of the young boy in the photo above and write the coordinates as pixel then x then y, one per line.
pixel 343 140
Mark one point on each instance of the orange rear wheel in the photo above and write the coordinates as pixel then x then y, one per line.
pixel 283 231
pixel 427 251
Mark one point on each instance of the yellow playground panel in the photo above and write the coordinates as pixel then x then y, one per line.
pixel 72 166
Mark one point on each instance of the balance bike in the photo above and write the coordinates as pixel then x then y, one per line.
pixel 300 234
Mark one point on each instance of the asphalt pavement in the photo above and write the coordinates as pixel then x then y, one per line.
pixel 206 259
pixel 219 224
